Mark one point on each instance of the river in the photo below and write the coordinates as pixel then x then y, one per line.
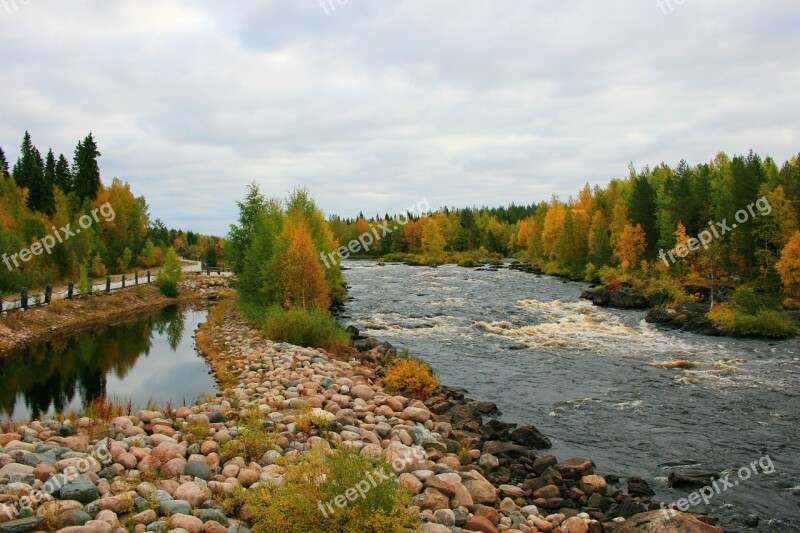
pixel 589 379
pixel 147 359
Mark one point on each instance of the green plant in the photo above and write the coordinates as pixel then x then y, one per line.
pixel 84 283
pixel 305 327
pixel 464 455
pixel 171 276
pixel 760 322
pixel 196 431
pixel 306 500
pixel 252 439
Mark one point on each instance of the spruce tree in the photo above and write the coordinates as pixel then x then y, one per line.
pixel 25 166
pixel 3 163
pixel 63 178
pixel 86 170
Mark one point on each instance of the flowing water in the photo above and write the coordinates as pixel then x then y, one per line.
pixel 150 358
pixel 590 379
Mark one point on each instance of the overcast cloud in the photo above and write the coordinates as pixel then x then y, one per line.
pixel 379 104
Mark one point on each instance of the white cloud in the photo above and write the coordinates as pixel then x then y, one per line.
pixel 379 104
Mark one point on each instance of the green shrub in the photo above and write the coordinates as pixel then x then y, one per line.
pixel 312 328
pixel 468 263
pixel 740 322
pixel 252 440
pixel 666 286
pixel 171 276
pixel 300 504
pixel 84 283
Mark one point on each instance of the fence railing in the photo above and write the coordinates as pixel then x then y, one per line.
pixel 28 300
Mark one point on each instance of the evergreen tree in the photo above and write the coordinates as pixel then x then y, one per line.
pixel 63 176
pixel 26 167
pixel 642 210
pixel 3 164
pixel 86 169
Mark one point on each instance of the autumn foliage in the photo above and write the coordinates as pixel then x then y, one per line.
pixel 789 264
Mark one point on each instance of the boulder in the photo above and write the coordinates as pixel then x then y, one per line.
pixel 665 522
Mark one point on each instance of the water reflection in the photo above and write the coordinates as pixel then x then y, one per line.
pixel 63 373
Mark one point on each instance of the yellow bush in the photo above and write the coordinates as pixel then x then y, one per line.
pixel 791 304
pixel 411 376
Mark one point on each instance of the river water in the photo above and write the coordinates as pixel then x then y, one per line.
pixel 589 379
pixel 146 359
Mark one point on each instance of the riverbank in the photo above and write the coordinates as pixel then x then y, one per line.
pixel 20 329
pixel 182 468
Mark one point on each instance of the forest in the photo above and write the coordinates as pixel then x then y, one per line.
pixel 658 228
pixel 40 194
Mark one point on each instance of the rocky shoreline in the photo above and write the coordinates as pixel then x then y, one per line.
pixel 470 471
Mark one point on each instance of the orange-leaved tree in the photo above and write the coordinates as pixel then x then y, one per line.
pixel 303 278
pixel 789 264
pixel 630 246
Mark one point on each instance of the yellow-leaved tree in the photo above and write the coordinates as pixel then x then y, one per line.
pixel 789 264
pixel 630 246
pixel 304 283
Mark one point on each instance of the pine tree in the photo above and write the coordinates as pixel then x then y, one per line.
pixel 4 164
pixel 63 178
pixel 86 169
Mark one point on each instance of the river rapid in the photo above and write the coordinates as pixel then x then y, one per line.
pixel 590 379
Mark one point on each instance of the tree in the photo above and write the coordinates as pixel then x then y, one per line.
pixel 789 264
pixel 239 237
pixel 4 164
pixel 86 169
pixel 171 276
pixel 303 278
pixel 630 247
pixel 63 177
pixel 642 209
pixel 211 257
pixel 29 173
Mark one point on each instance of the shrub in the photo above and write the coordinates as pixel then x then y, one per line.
pixel 468 263
pixel 668 287
pixel 171 276
pixel 411 375
pixel 299 504
pixel 252 440
pixel 84 283
pixel 590 273
pixel 304 327
pixel 760 322
pixel 792 304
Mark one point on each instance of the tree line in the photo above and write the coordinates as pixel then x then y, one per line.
pixel 623 229
pixel 39 194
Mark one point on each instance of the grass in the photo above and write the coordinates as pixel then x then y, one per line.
pixel 312 328
pixel 253 440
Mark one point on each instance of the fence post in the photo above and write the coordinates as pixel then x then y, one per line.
pixel 136 278
pixel 48 294
pixel 1 302
pixel 70 290
pixel 108 283
pixel 23 298
pixel 123 281
pixel 148 277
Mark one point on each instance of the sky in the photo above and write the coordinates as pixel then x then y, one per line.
pixel 377 105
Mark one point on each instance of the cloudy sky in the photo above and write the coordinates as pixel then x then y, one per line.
pixel 378 104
